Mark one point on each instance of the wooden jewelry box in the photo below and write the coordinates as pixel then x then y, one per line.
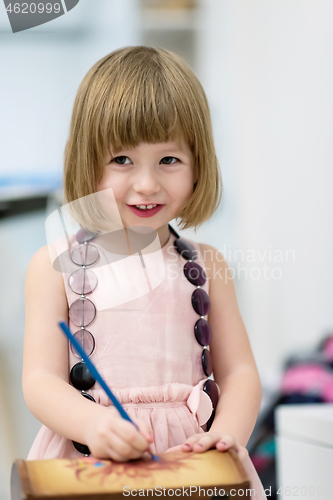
pixel 195 475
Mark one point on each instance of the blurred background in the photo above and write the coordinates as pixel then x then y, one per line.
pixel 267 69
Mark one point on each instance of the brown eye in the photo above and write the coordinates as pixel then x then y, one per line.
pixel 120 160
pixel 167 160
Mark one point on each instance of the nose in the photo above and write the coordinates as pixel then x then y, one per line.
pixel 146 182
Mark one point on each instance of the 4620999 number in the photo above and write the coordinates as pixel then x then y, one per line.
pixel 33 8
pixel 300 491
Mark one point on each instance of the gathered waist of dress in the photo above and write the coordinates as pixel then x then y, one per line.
pixel 166 393
pixel 169 395
pixel 156 404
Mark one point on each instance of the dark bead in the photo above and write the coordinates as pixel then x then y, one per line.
pixel 203 332
pixel 210 387
pixel 82 448
pixel 210 421
pixel 84 235
pixel 88 396
pixel 195 273
pixel 80 377
pixel 200 301
pixel 207 363
pixel 185 249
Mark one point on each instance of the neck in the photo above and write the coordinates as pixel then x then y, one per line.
pixel 163 234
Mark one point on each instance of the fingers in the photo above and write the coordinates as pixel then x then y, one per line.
pixel 225 443
pixel 200 442
pixel 228 442
pixel 174 448
pixel 122 451
pixel 203 442
pixel 128 433
pixel 122 444
pixel 111 436
pixel 145 429
pixel 138 437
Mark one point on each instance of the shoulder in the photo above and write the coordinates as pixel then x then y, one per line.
pixel 42 256
pixel 41 270
pixel 214 260
pixel 45 294
pixel 41 261
pixel 211 253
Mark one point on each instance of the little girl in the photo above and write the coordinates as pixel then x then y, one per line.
pixel 141 131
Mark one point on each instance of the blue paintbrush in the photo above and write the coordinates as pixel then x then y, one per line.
pixel 93 370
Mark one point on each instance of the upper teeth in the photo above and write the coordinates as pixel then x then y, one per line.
pixel 145 206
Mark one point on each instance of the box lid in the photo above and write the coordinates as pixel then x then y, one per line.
pixel 306 422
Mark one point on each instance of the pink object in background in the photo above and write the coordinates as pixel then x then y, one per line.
pixel 309 379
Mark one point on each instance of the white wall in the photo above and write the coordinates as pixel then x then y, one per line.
pixel 41 71
pixel 267 68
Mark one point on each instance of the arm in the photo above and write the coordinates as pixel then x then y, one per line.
pixel 47 392
pixel 235 369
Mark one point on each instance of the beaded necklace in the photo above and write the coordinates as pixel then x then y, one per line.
pixel 82 313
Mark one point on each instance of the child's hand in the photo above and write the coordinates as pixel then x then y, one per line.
pixel 111 436
pixel 203 442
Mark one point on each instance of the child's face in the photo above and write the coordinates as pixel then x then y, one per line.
pixel 150 174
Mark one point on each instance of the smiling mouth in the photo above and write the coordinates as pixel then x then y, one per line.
pixel 146 212
pixel 146 206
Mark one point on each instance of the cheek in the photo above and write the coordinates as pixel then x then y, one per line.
pixel 109 181
pixel 185 185
pixel 107 202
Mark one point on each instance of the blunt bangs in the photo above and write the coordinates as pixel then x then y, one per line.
pixel 143 104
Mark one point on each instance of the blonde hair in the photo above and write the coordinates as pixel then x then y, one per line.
pixel 142 94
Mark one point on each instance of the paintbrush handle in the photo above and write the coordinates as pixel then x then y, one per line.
pixel 96 375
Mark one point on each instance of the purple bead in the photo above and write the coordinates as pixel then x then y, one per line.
pixel 185 249
pixel 86 341
pixel 200 302
pixel 85 255
pixel 83 281
pixel 203 332
pixel 210 387
pixel 195 273
pixel 82 312
pixel 207 363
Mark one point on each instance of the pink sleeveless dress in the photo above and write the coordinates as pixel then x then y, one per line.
pixel 145 348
